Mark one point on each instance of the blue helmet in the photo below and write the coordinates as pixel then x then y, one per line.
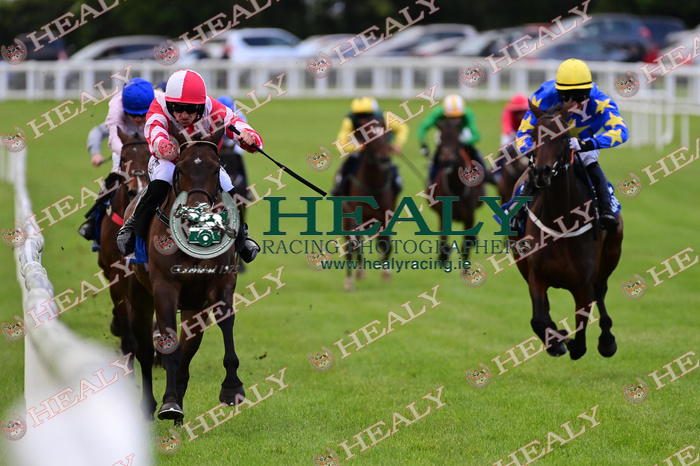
pixel 228 101
pixel 137 96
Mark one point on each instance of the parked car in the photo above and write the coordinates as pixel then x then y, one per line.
pixel 133 48
pixel 416 40
pixel 312 46
pixel 586 50
pixel 55 50
pixel 490 42
pixel 661 26
pixel 254 44
pixel 626 31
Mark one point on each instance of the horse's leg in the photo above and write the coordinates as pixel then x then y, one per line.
pixel 610 256
pixel 349 257
pixel 583 296
pixel 361 272
pixel 232 391
pixel 541 321
pixel 123 314
pixel 386 252
pixel 142 328
pixel 189 349
pixel 166 297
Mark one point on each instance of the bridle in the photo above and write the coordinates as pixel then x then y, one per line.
pixel 136 171
pixel 561 164
pixel 176 175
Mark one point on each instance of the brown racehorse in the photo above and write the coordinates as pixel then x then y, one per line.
pixel 570 250
pixel 374 178
pixel 166 289
pixel 134 168
pixel 456 167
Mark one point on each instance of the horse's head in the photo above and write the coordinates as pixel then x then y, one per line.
pixel 449 140
pixel 550 153
pixel 134 162
pixel 197 169
pixel 376 149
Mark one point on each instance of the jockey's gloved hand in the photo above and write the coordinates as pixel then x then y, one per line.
pixel 581 146
pixel 424 149
pixel 167 151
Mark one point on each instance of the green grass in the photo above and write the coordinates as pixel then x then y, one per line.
pixel 471 325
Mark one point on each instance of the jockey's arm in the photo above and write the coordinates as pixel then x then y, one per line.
pixel 401 132
pixel 114 121
pixel 524 136
pixel 244 127
pixel 470 123
pixel 614 130
pixel 431 120
pixel 94 143
pixel 345 129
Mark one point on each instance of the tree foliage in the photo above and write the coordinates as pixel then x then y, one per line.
pixel 303 17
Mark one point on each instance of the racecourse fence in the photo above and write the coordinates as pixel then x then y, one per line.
pixel 675 93
pixel 105 427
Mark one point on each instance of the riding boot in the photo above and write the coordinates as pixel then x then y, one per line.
pixel 608 220
pixel 518 220
pixel 149 201
pixel 247 249
pixel 87 229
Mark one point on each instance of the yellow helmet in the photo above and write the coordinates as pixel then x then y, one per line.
pixel 453 106
pixel 573 74
pixel 364 105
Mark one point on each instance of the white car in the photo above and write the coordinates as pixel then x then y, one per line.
pixel 259 44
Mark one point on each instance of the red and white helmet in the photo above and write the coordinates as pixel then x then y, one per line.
pixel 186 87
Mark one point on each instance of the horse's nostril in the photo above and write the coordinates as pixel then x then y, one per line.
pixel 131 193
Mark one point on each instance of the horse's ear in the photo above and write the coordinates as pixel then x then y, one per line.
pixel 180 138
pixel 215 137
pixel 535 110
pixel 568 105
pixel 122 135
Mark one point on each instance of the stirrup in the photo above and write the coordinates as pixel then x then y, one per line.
pixel 87 229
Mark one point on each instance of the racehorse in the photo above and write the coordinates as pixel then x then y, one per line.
pixel 167 289
pixel 572 252
pixel 374 177
pixel 457 176
pixel 134 170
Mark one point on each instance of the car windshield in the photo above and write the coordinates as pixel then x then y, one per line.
pixel 266 41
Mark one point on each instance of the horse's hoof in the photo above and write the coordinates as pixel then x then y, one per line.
pixel 557 350
pixel 386 276
pixel 349 285
pixel 609 350
pixel 170 410
pixel 114 327
pixel 360 274
pixel 177 422
pixel 232 396
pixel 576 350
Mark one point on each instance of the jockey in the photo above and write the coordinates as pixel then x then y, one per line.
pixel 574 81
pixel 512 115
pixel 453 106
pixel 363 110
pixel 184 103
pixel 127 111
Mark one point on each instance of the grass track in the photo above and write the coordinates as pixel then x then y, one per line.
pixel 472 325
